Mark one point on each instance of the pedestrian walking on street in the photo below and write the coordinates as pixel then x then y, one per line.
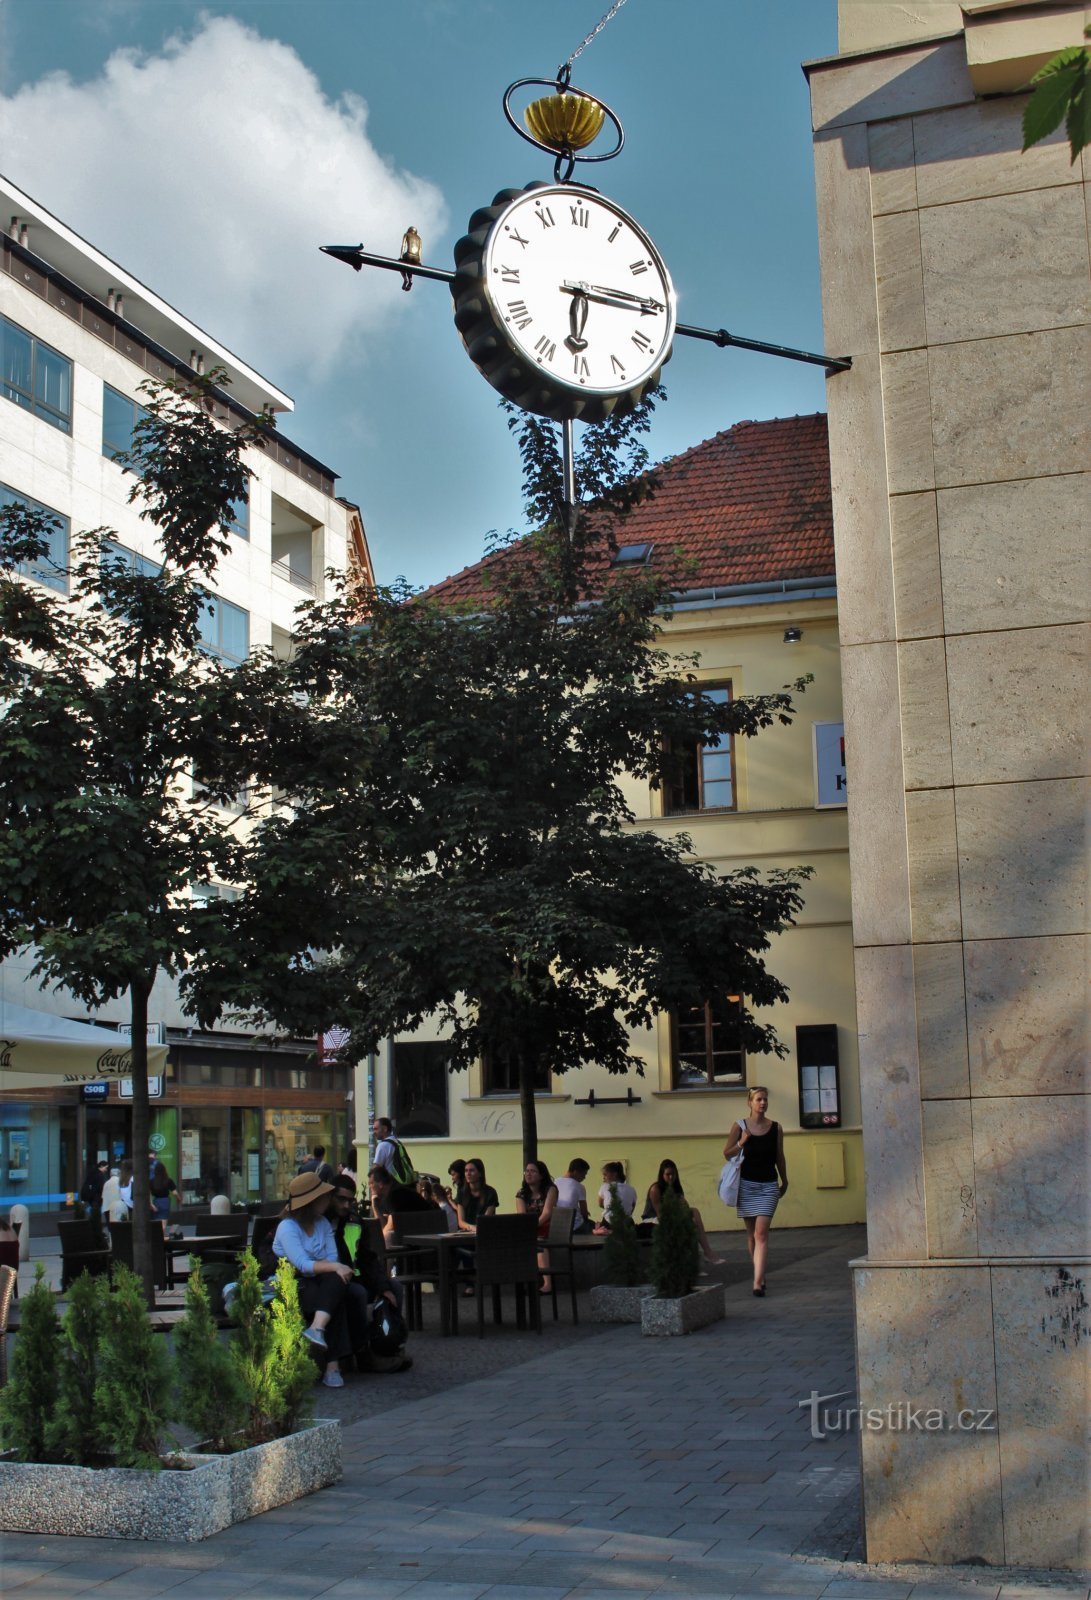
pixel 763 1178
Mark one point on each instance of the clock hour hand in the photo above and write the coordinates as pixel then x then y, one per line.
pixel 577 321
pixel 612 297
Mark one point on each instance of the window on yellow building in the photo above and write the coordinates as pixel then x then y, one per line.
pixel 501 1074
pixel 703 775
pixel 707 1045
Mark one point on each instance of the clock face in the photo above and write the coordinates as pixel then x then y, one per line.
pixel 564 303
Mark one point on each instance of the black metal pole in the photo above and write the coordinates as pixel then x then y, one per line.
pixel 721 337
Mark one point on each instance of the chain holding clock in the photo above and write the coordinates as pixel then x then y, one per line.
pixel 563 302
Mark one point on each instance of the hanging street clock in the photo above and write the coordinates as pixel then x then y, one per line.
pixel 563 302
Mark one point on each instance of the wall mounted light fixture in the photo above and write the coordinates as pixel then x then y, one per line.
pixel 793 635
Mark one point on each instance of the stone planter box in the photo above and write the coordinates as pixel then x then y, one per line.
pixel 612 1302
pixel 125 1503
pixel 663 1318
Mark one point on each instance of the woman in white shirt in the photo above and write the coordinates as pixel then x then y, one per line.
pixel 305 1237
pixel 613 1182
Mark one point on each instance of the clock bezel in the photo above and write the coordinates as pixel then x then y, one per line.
pixel 502 359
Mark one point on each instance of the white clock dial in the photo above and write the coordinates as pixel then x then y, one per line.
pixel 564 302
pixel 580 289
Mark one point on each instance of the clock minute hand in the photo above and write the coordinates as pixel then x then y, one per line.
pixel 612 297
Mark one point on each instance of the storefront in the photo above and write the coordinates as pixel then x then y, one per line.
pixel 227 1117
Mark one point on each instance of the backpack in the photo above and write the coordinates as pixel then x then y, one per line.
pixel 402 1168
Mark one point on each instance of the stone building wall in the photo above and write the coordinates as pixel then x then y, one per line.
pixel 955 273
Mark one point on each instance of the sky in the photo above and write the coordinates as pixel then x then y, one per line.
pixel 212 148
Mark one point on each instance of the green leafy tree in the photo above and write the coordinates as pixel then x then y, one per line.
pixel 622 1255
pixel 135 1379
pixel 210 1398
pixel 676 1250
pixel 75 1431
pixel 29 1398
pixel 459 845
pixel 112 703
pixel 1062 94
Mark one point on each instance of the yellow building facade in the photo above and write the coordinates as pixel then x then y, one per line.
pixel 749 512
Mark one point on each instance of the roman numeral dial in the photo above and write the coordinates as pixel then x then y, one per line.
pixel 563 301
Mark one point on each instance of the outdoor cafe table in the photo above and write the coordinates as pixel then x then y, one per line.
pixel 204 1244
pixel 446 1246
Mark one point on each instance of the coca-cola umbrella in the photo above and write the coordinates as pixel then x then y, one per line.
pixel 39 1050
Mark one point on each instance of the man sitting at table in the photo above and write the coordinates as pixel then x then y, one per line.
pixel 390 1199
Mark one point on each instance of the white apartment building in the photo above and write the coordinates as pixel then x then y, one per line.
pixel 78 336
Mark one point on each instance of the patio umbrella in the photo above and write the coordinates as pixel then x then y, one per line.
pixel 39 1050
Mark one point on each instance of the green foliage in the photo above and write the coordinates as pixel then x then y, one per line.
pixel 269 1354
pixel 210 1400
pixel 112 703
pixel 623 1257
pixel 676 1251
pixel 459 845
pixel 29 1399
pixel 1063 94
pixel 135 1379
pixel 76 1432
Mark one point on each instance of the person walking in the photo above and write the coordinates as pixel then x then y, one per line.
pixel 162 1187
pixel 763 1177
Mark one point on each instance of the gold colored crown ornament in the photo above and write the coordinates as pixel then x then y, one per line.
pixel 565 122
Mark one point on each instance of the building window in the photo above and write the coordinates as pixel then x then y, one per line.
pixel 420 1089
pixel 238 518
pixel 501 1074
pixel 702 776
pixel 52 567
pixel 707 1045
pixel 141 566
pixel 120 416
pixel 224 629
pixel 35 376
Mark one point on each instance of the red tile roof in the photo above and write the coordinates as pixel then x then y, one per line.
pixel 751 505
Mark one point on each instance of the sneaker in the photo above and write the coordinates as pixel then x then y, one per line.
pixel 333 1380
pixel 315 1336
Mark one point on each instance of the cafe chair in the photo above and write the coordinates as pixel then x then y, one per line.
pixel 264 1228
pixel 121 1250
pixel 235 1223
pixel 507 1254
pixel 557 1247
pixel 8 1286
pixel 9 1257
pixel 417 1265
pixel 81 1250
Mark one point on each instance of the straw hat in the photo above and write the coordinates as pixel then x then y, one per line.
pixel 307 1187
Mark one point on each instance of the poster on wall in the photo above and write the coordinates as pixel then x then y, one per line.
pixel 830 778
pixel 18 1154
pixel 191 1155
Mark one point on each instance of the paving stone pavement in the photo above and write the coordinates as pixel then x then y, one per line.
pixel 605 1466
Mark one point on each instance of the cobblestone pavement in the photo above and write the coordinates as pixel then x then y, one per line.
pixel 585 1464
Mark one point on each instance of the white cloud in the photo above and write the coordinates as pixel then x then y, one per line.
pixel 213 171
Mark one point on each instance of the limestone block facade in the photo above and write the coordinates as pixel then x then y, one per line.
pixel 955 273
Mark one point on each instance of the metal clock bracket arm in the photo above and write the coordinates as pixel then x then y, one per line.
pixel 355 256
pixel 721 337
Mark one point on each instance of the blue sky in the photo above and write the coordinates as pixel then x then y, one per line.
pixel 212 148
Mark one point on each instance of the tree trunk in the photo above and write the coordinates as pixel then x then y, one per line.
pixel 142 1218
pixel 528 1108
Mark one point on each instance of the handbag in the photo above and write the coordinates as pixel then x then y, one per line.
pixel 729 1176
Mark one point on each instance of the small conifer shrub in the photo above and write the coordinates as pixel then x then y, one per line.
pixel 75 1432
pixel 135 1378
pixel 29 1399
pixel 623 1259
pixel 210 1400
pixel 676 1251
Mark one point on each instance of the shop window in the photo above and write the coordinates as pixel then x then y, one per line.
pixel 707 1045
pixel 35 376
pixel 52 567
pixel 702 776
pixel 420 1089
